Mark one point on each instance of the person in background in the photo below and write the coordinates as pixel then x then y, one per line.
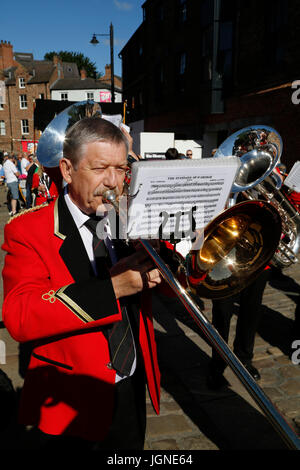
pixel 2 176
pixel 43 187
pixel 189 153
pixel 249 302
pixel 172 154
pixel 31 169
pixel 25 163
pixel 11 174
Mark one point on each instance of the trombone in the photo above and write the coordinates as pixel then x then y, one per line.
pixel 242 224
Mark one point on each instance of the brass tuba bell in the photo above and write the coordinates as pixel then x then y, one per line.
pixel 259 149
pixel 237 246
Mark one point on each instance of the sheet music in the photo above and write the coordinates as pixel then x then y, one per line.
pixel 293 179
pixel 174 197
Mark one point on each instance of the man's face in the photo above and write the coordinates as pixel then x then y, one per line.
pixel 102 167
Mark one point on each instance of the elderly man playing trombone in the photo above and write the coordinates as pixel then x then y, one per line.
pixel 80 302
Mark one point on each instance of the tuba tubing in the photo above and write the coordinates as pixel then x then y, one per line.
pixel 289 244
pixel 259 148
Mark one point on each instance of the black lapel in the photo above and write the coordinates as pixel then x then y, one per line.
pixel 72 250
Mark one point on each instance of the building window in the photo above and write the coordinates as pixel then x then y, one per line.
pixel 90 95
pixel 182 10
pixel 182 63
pixel 2 128
pixel 41 96
pixel 276 26
pixel 23 101
pixel 1 106
pixel 21 82
pixel 64 96
pixel 24 126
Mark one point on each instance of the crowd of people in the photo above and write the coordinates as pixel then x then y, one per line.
pixel 27 183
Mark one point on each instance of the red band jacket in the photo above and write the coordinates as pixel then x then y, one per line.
pixel 53 299
pixel 42 197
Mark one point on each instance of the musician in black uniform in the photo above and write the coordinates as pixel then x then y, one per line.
pixel 248 317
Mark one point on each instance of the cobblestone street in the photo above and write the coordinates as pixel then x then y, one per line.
pixel 192 416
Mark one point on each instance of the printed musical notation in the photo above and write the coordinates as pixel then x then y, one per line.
pixel 171 198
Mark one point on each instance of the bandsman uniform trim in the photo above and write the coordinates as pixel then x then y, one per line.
pixel 56 222
pixel 66 300
pixel 27 211
pixel 82 299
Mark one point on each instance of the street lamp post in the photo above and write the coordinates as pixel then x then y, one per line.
pixel 95 41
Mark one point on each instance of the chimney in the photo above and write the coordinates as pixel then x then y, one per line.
pixel 6 55
pixel 107 75
pixel 83 74
pixel 57 62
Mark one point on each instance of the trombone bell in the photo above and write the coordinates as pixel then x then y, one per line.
pixel 237 246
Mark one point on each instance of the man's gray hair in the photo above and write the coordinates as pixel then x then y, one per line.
pixel 90 130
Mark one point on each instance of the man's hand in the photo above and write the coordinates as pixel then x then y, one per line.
pixel 133 274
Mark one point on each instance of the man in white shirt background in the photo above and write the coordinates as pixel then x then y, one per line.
pixel 11 174
pixel 24 164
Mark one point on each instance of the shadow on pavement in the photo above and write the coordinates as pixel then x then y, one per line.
pixel 277 330
pixel 222 416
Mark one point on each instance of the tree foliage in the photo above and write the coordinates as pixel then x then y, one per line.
pixel 82 61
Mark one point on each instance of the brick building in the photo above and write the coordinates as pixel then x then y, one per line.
pixel 25 81
pixel 82 88
pixel 204 69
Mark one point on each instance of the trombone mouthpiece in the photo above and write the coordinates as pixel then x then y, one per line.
pixel 110 196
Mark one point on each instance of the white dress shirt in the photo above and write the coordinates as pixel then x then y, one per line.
pixel 87 237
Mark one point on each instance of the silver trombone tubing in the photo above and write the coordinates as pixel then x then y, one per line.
pixel 276 419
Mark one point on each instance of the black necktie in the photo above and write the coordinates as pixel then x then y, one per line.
pixel 119 336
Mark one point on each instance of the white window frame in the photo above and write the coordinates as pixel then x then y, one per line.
pixel 24 126
pixel 21 82
pixel 89 95
pixel 2 128
pixel 23 101
pixel 64 96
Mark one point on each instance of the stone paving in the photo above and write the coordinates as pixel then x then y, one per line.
pixel 193 417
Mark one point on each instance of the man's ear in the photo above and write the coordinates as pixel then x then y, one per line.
pixel 66 168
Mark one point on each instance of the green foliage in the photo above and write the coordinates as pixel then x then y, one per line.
pixel 81 60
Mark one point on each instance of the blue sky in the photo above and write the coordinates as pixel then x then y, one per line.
pixel 41 26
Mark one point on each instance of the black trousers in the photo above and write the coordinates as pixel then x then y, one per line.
pixel 127 431
pixel 249 313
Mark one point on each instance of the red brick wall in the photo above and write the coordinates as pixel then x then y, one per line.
pixel 6 55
